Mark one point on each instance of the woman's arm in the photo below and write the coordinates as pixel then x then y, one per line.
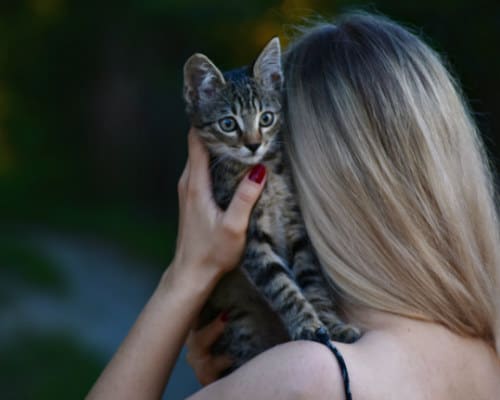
pixel 209 243
pixel 141 366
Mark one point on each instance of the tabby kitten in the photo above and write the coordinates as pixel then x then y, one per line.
pixel 278 293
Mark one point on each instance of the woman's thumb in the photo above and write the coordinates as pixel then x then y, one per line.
pixel 245 197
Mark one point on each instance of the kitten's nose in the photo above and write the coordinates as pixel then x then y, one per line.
pixel 252 146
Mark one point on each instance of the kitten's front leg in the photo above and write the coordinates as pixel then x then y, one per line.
pixel 269 273
pixel 308 275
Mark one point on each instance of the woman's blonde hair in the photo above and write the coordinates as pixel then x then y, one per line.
pixel 392 176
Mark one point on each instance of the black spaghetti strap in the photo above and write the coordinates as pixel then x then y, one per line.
pixel 322 336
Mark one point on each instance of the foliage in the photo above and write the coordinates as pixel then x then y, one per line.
pixel 47 367
pixel 21 261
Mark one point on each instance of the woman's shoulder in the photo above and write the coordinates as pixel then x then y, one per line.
pixel 293 370
pixel 298 370
pixel 416 360
pixel 413 361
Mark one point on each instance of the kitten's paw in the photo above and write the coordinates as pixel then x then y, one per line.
pixel 344 333
pixel 306 333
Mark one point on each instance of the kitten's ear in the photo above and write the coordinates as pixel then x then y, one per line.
pixel 201 79
pixel 267 69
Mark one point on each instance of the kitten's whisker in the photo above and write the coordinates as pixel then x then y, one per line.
pixel 217 161
pixel 220 160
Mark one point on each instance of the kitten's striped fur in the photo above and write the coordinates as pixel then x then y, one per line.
pixel 278 293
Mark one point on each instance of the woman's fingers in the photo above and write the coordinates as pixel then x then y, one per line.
pixel 221 363
pixel 200 341
pixel 211 369
pixel 247 193
pixel 207 367
pixel 182 186
pixel 198 159
pixel 195 146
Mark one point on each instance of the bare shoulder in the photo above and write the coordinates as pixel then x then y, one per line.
pixel 415 362
pixel 294 370
pixel 300 370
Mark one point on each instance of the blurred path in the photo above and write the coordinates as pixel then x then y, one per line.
pixel 106 290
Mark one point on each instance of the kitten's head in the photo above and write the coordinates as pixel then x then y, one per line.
pixel 238 113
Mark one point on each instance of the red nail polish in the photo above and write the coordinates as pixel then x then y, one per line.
pixel 257 173
pixel 224 317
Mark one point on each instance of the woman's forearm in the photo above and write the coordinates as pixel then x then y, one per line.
pixel 142 365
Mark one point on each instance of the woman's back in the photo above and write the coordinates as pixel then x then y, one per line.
pixel 408 359
pixel 397 358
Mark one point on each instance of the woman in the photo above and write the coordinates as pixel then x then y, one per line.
pixel 398 202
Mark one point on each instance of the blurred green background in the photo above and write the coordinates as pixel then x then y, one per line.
pixel 92 141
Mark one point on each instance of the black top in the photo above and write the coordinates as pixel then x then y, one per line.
pixel 323 337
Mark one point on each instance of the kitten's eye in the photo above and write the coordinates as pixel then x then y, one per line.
pixel 228 124
pixel 266 119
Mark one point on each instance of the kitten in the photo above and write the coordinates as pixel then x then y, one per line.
pixel 278 292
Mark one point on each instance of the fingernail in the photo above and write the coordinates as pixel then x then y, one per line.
pixel 224 317
pixel 257 173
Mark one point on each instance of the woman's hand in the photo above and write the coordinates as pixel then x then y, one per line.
pixel 210 241
pixel 206 366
